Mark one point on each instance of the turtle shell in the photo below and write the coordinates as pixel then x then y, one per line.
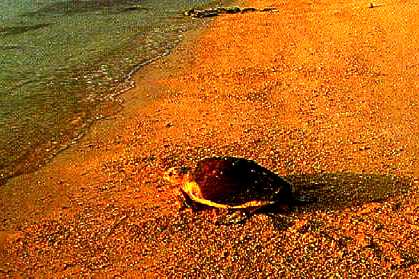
pixel 236 181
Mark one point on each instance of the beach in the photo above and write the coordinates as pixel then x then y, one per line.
pixel 322 93
pixel 64 63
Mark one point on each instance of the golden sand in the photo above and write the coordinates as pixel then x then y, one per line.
pixel 324 93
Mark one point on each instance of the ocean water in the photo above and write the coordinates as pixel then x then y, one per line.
pixel 60 60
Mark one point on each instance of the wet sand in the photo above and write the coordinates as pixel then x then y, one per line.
pixel 324 94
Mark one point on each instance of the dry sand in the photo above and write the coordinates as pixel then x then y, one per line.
pixel 324 93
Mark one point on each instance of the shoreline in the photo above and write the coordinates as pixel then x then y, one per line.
pixel 134 97
pixel 110 106
pixel 94 89
pixel 295 91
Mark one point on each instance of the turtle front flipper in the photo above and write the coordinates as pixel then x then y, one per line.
pixel 236 217
pixel 187 203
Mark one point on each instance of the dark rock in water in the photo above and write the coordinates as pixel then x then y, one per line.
pixel 248 10
pixel 225 10
pixel 189 12
pixel 212 12
pixel 202 13
pixel 229 10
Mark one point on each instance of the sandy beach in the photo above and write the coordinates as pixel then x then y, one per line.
pixel 323 93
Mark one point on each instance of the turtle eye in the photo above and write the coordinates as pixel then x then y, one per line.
pixel 184 169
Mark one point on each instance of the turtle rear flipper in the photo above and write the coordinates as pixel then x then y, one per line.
pixel 304 200
pixel 241 216
pixel 280 221
pixel 301 201
pixel 237 216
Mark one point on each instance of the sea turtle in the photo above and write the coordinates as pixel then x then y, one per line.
pixel 232 183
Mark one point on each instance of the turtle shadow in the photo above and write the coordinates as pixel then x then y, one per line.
pixel 332 191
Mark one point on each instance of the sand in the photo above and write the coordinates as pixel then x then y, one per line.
pixel 323 93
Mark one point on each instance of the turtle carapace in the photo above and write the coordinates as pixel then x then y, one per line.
pixel 232 183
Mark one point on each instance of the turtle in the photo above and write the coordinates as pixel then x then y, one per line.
pixel 232 183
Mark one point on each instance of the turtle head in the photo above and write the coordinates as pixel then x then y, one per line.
pixel 177 176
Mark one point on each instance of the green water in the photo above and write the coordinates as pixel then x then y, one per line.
pixel 61 59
